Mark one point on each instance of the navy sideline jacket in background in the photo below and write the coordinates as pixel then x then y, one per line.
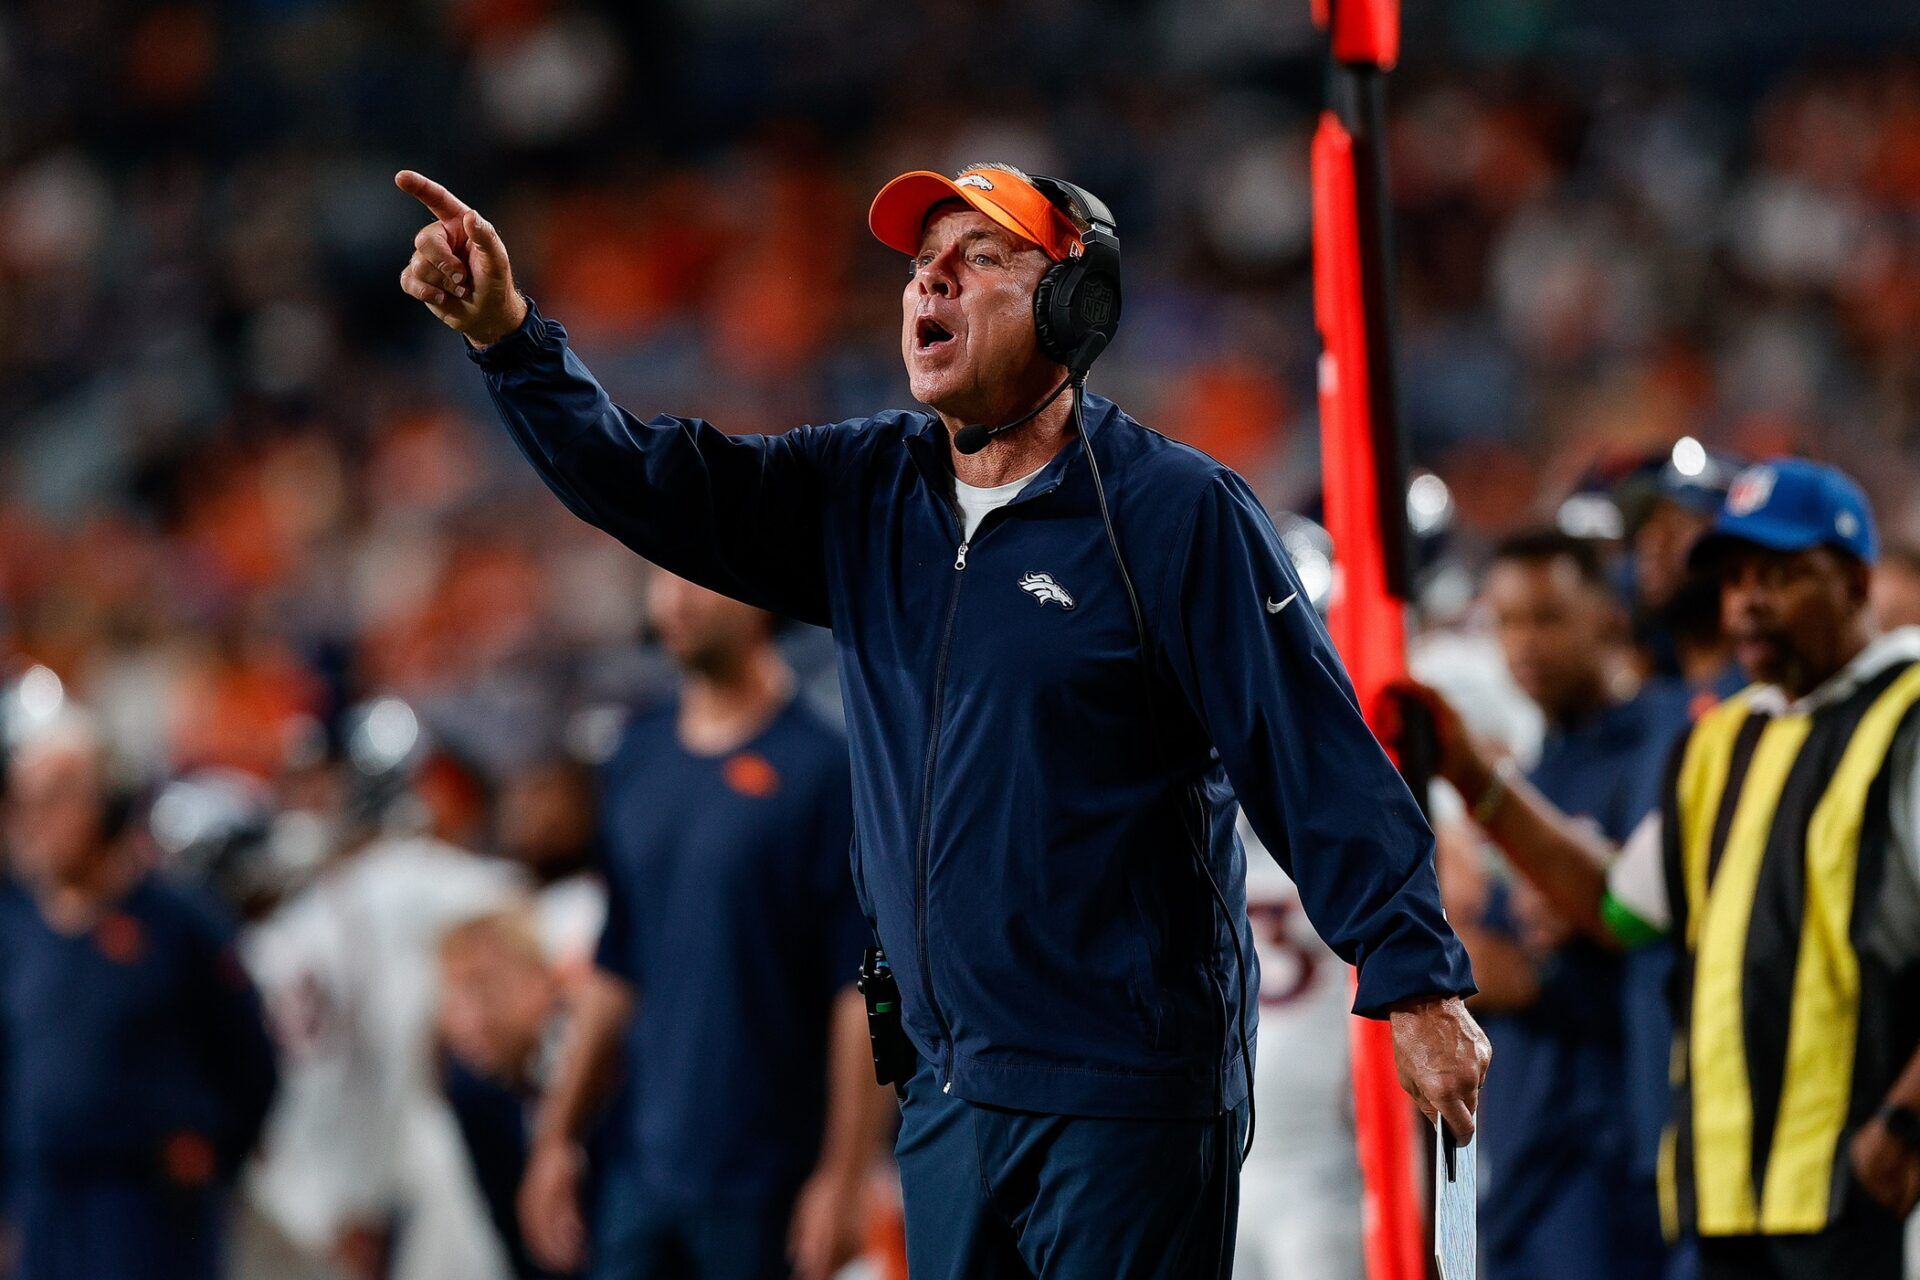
pixel 1025 819
pixel 124 1041
pixel 730 915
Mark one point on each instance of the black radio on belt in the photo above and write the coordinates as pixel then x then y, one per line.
pixel 894 1060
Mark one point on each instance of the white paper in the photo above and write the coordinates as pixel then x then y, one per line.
pixel 1455 1202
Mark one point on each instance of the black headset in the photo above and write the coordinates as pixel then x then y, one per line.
pixel 1076 308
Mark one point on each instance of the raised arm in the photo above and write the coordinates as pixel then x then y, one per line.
pixel 743 515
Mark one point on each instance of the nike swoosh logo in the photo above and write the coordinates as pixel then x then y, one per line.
pixel 1275 608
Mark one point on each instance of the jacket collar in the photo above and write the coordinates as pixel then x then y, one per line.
pixel 927 443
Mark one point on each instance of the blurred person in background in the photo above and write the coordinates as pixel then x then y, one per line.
pixel 1084 1033
pixel 1665 505
pixel 1558 1196
pixel 364 1170
pixel 547 822
pixel 1301 1203
pixel 749 1120
pixel 137 1066
pixel 1689 667
pixel 500 1019
pixel 1896 586
pixel 1784 858
pixel 217 829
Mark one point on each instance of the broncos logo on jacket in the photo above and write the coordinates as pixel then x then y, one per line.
pixel 1043 588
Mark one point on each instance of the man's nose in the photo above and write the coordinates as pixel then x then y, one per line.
pixel 1746 597
pixel 936 277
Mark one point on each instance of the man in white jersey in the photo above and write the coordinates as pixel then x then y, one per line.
pixel 1300 1193
pixel 362 1157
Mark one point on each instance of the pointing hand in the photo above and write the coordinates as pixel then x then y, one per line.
pixel 459 267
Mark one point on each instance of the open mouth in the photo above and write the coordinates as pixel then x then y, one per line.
pixel 930 333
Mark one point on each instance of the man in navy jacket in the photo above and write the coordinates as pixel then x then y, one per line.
pixel 134 1056
pixel 1043 812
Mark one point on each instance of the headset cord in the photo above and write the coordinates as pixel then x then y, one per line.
pixel 1206 873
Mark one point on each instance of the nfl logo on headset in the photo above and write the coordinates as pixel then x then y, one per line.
pixel 1750 491
pixel 1095 301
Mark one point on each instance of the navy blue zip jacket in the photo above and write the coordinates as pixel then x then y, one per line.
pixel 1031 801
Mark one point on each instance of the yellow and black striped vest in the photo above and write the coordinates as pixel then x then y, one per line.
pixel 1788 1032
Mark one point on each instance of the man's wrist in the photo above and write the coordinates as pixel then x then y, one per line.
pixel 1489 786
pixel 1469 772
pixel 518 310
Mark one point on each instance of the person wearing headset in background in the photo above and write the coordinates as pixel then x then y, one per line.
pixel 137 1070
pixel 1067 645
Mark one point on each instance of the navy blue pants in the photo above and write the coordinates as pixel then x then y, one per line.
pixel 640 1238
pixel 992 1194
pixel 116 1230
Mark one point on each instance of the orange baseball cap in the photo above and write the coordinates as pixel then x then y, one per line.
pixel 899 212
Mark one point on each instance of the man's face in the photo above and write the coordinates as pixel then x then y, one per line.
pixel 702 630
pixel 54 803
pixel 546 816
pixel 966 328
pixel 1791 615
pixel 1660 549
pixel 1554 628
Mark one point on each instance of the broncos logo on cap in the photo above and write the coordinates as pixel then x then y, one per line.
pixel 974 180
pixel 1043 588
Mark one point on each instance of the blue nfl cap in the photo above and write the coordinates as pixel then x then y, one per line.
pixel 1791 504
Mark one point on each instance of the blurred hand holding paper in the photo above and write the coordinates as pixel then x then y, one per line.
pixel 1455 1200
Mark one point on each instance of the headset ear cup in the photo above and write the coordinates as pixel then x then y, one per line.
pixel 1078 300
pixel 1096 303
pixel 1052 323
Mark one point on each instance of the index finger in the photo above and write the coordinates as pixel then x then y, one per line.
pixel 441 202
pixel 1458 1114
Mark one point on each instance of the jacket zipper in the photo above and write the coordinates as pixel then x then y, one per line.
pixel 921 853
pixel 923 885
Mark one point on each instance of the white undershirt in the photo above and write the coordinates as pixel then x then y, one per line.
pixel 975 502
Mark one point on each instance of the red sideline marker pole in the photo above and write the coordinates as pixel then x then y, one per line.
pixel 1364 481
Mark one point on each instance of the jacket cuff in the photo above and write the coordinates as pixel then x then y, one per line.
pixel 518 347
pixel 1438 968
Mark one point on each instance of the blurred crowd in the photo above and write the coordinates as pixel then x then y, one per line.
pixel 245 481
pixel 253 504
